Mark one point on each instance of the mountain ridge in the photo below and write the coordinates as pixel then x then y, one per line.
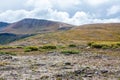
pixel 32 26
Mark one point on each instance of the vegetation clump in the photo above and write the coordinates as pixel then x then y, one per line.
pixel 48 47
pixel 7 53
pixel 31 48
pixel 72 45
pixel 104 45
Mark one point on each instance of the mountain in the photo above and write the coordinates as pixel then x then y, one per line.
pixel 32 26
pixel 78 35
pixel 3 25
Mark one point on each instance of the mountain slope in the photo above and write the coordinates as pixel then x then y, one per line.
pixel 3 25
pixel 8 37
pixel 31 26
pixel 80 34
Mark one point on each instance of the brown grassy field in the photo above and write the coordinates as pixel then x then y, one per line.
pixel 77 35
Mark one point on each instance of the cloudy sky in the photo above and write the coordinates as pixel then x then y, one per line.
pixel 70 11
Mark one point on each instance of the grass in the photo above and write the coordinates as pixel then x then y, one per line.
pixel 104 45
pixel 48 47
pixel 72 45
pixel 31 48
pixel 7 53
pixel 7 47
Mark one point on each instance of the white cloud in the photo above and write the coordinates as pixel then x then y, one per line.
pixel 12 5
pixel 65 4
pixel 46 4
pixel 78 18
pixel 60 10
pixel 113 10
pixel 96 2
pixel 111 20
pixel 41 4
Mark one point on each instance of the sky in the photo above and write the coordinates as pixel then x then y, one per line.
pixel 75 12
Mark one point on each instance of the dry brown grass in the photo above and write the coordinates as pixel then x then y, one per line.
pixel 3 63
pixel 80 36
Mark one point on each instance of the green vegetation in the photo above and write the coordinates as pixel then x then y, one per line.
pixel 72 45
pixel 104 45
pixel 31 48
pixel 70 52
pixel 48 47
pixel 7 53
pixel 7 47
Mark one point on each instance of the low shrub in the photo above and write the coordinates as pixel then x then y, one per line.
pixel 6 47
pixel 72 45
pixel 114 46
pixel 31 48
pixel 118 44
pixel 20 47
pixel 70 52
pixel 61 46
pixel 104 45
pixel 7 53
pixel 90 43
pixel 48 47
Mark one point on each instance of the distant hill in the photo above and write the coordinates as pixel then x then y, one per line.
pixel 79 34
pixel 8 37
pixel 3 25
pixel 31 26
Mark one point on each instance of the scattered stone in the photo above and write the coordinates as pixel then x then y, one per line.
pixel 104 71
pixel 72 67
pixel 67 63
pixel 5 57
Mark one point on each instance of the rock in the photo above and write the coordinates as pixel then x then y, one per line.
pixel 78 72
pixel 39 64
pixel 67 63
pixel 5 57
pixel 104 71
pixel 66 67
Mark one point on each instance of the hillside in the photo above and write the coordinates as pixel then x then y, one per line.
pixel 31 26
pixel 3 25
pixel 8 37
pixel 79 34
pixel 64 55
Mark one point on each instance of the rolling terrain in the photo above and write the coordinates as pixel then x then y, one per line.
pixel 79 34
pixel 45 50
pixel 19 30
